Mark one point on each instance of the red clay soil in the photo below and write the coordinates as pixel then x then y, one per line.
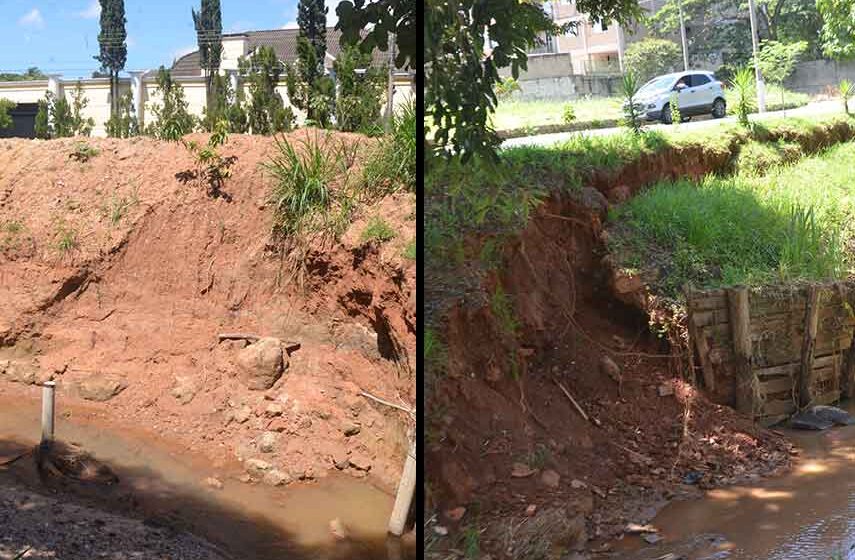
pixel 140 295
pixel 507 444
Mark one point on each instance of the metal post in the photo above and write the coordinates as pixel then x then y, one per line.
pixel 620 46
pixel 683 37
pixel 48 390
pixel 761 88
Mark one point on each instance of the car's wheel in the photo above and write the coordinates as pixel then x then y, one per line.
pixel 665 116
pixel 719 109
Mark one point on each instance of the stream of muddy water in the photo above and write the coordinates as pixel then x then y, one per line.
pixel 807 514
pixel 164 485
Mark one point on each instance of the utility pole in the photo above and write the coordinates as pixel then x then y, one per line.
pixel 761 88
pixel 683 36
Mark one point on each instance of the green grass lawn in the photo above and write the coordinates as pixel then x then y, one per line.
pixel 796 222
pixel 521 114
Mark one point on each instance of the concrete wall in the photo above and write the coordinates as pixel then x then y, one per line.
pixel 817 76
pixel 97 93
pixel 552 76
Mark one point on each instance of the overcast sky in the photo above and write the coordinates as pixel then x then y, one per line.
pixel 62 35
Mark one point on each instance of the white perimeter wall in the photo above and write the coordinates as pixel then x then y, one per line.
pixel 97 92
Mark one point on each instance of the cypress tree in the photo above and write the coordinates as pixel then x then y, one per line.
pixel 114 49
pixel 209 33
pixel 312 19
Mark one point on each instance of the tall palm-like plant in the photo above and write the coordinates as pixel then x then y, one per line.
pixel 847 89
pixel 742 83
pixel 631 111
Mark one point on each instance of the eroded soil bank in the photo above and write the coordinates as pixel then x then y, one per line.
pixel 116 279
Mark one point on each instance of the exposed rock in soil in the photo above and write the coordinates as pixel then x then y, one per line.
pixel 261 364
pixel 100 387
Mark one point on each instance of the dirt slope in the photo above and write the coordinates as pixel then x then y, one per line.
pixel 114 268
pixel 507 444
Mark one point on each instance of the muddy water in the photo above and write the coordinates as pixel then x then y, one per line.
pixel 809 513
pixel 165 486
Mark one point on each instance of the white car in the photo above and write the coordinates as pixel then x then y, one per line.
pixel 698 93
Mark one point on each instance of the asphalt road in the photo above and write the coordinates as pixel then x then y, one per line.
pixel 818 108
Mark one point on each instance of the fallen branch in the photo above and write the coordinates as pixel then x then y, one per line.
pixel 22 553
pixel 409 411
pixel 572 400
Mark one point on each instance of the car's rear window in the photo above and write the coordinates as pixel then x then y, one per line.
pixel 700 79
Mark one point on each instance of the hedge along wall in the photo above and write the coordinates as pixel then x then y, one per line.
pixel 773 350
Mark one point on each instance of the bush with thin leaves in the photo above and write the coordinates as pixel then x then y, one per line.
pixel 631 110
pixel 303 172
pixel 392 164
pixel 846 89
pixel 5 118
pixel 743 84
pixel 674 106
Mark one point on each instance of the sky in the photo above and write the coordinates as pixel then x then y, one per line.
pixel 61 36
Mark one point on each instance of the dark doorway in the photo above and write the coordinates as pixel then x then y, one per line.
pixel 23 121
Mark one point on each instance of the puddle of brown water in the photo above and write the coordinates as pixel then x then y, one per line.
pixel 257 521
pixel 806 514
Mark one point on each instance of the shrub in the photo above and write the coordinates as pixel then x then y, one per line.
pixel 226 106
pixel 42 126
pixel 124 124
pixel 172 119
pixel 506 88
pixel 743 84
pixel 652 57
pixel 674 106
pixel 410 251
pixel 392 163
pixel 846 90
pixel 266 112
pixel 5 117
pixel 212 168
pixel 83 152
pixel 568 115
pixel 377 230
pixel 303 173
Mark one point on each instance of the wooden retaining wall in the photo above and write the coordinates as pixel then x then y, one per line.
pixel 770 351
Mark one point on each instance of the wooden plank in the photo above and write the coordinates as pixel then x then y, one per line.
pixel 740 323
pixel 806 372
pixel 823 374
pixel 784 369
pixel 711 317
pixel 827 398
pixel 848 373
pixel 776 385
pixel 718 334
pixel 772 408
pixel 715 299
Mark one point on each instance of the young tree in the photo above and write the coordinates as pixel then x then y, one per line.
pixel 114 49
pixel 308 89
pixel 80 126
pixel 360 88
pixel 312 19
pixel 225 105
pixel 42 125
pixel 652 57
pixel 209 33
pixel 172 120
pixel 124 124
pixel 267 113
pixel 778 60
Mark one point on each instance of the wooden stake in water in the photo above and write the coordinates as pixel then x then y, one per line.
pixel 48 390
pixel 406 490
